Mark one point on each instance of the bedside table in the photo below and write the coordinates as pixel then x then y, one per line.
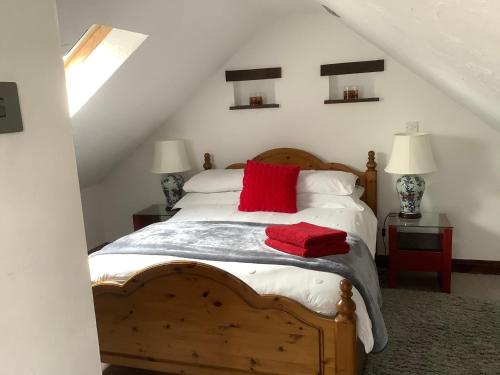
pixel 423 244
pixel 152 214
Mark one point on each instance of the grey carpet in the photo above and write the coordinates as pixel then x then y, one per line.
pixel 436 333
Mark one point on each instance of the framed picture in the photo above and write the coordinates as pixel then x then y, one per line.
pixel 10 110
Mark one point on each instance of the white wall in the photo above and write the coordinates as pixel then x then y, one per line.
pixel 47 322
pixel 188 40
pixel 92 216
pixel 467 150
pixel 450 43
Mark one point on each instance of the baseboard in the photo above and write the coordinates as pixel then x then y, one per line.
pixel 487 267
pixel 98 248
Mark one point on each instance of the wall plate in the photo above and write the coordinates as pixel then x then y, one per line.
pixel 10 110
pixel 412 126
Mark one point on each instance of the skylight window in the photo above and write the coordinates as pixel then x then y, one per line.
pixel 94 59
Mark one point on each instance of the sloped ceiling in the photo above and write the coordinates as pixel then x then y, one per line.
pixel 451 43
pixel 454 44
pixel 188 40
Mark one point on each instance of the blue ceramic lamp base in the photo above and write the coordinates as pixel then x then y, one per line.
pixel 411 190
pixel 172 188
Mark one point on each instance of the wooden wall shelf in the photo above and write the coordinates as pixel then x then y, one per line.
pixel 360 100
pixel 252 74
pixel 353 67
pixel 235 107
pixel 246 84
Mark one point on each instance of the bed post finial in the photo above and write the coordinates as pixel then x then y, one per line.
pixel 208 163
pixel 372 164
pixel 371 182
pixel 345 306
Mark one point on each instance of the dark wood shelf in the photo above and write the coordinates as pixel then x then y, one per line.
pixel 361 100
pixel 252 74
pixel 235 107
pixel 353 67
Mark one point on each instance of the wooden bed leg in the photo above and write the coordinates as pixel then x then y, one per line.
pixel 345 332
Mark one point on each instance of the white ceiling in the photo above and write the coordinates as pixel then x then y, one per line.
pixel 188 40
pixel 454 44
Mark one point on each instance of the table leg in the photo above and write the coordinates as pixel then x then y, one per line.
pixel 446 266
pixel 393 257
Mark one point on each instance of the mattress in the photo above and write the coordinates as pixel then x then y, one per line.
pixel 316 290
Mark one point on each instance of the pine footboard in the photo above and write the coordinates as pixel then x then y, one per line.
pixel 193 319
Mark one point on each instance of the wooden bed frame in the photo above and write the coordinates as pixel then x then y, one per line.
pixel 194 319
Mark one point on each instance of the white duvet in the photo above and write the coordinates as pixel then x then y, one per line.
pixel 318 291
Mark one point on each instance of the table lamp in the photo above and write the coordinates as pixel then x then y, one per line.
pixel 170 158
pixel 411 156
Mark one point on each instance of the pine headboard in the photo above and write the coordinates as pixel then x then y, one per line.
pixel 307 161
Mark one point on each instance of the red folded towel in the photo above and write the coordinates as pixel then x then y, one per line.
pixel 340 248
pixel 306 235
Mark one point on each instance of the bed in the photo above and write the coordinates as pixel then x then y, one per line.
pixel 186 316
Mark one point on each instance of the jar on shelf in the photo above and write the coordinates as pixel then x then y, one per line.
pixel 346 92
pixel 256 100
pixel 353 93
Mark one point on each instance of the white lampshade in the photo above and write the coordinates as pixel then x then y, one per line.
pixel 170 157
pixel 411 154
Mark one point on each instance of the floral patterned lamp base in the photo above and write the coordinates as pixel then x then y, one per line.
pixel 172 188
pixel 411 190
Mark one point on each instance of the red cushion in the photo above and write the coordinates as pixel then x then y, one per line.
pixel 268 187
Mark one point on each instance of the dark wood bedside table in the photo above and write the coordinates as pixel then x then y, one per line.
pixel 152 214
pixel 423 244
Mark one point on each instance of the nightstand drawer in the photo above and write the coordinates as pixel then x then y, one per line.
pixel 419 241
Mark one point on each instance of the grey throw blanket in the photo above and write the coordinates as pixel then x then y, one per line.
pixel 244 242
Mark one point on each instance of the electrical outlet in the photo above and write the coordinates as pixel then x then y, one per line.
pixel 412 127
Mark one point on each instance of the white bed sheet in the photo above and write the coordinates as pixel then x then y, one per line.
pixel 318 291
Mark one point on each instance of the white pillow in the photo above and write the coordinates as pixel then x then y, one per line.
pixel 215 181
pixel 204 199
pixel 358 192
pixel 326 182
pixel 304 200
pixel 312 200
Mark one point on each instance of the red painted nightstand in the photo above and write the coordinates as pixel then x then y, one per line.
pixel 423 244
pixel 152 214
